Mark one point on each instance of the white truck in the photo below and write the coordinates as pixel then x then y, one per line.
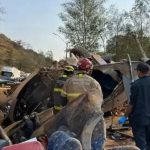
pixel 10 73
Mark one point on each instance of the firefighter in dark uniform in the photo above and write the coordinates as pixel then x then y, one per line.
pixel 57 99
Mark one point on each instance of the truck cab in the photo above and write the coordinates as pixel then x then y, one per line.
pixel 9 74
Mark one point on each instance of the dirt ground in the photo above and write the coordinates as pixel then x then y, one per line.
pixel 122 137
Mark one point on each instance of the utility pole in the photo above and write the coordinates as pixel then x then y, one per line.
pixel 66 43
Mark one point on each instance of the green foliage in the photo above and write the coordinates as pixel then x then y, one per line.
pixel 127 45
pixel 138 19
pixel 14 54
pixel 115 23
pixel 84 21
pixel 131 34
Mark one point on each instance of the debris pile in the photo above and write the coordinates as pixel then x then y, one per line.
pixel 27 113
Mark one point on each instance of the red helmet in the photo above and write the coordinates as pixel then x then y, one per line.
pixel 85 64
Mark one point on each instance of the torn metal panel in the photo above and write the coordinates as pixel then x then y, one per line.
pixel 32 94
pixel 98 59
pixel 123 67
pixel 116 99
pixel 118 72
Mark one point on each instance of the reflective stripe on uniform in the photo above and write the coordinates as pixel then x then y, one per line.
pixel 80 75
pixel 64 76
pixel 64 93
pixel 69 68
pixel 58 107
pixel 71 94
pixel 57 89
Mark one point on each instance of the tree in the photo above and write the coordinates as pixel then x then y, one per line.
pixel 27 46
pixel 49 57
pixel 84 22
pixel 49 54
pixel 139 18
pixel 132 25
pixel 127 45
pixel 45 58
pixel 115 25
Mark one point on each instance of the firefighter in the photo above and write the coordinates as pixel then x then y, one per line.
pixel 58 102
pixel 82 83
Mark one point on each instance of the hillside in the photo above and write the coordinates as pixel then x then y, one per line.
pixel 14 54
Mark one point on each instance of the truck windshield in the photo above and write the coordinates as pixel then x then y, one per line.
pixel 6 74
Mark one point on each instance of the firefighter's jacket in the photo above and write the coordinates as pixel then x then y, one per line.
pixel 57 98
pixel 80 84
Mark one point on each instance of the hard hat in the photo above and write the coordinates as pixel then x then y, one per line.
pixel 85 64
pixel 69 69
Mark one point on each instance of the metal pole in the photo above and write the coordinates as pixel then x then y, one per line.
pixel 66 49
pixel 63 41
pixel 130 68
pixel 60 37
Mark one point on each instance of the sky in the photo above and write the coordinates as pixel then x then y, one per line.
pixel 35 21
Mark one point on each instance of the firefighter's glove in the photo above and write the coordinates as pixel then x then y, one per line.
pixel 122 120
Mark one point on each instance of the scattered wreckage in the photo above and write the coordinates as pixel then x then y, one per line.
pixel 34 94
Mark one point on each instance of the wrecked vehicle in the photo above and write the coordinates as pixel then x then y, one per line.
pixel 35 92
pixel 33 95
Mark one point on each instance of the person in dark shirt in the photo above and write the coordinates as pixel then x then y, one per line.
pixel 138 109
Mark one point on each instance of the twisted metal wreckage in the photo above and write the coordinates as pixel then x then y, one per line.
pixel 33 95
